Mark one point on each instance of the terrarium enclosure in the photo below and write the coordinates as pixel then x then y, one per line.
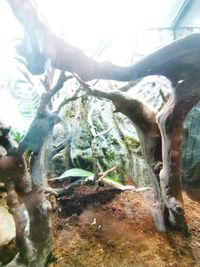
pixel 99 133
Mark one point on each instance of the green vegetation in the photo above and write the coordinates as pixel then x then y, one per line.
pixel 75 172
pixel 82 174
pixel 17 136
pixel 131 142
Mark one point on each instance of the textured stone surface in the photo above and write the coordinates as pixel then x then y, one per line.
pixel 191 146
pixel 119 144
pixel 7 227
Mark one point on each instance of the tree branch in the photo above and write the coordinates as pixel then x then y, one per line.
pixel 140 113
pixel 41 45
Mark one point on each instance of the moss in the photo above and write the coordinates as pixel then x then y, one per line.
pixel 131 142
pixel 115 141
pixel 69 113
pixel 109 154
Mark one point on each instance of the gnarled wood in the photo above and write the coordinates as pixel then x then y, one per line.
pixel 179 62
pixel 170 120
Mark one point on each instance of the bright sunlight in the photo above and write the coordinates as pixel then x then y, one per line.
pixel 100 28
pixel 105 29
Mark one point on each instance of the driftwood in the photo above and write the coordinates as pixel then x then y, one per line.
pixel 179 62
pixel 160 133
pixel 25 190
pixel 15 176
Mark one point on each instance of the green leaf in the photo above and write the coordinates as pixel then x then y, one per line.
pixel 28 102
pixel 75 172
pixel 16 135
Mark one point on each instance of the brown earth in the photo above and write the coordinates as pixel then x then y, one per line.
pixel 109 228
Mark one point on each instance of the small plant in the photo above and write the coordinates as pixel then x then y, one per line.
pixel 17 136
pixel 131 142
pixel 74 172
pixel 83 174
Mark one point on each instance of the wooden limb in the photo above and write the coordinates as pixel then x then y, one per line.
pixel 164 98
pixel 131 84
pixel 26 251
pixel 68 100
pixel 170 121
pixel 35 249
pixel 15 169
pixel 124 187
pixel 32 194
pixel 37 133
pixel 58 148
pixel 68 190
pixel 44 120
pixel 93 144
pixel 141 114
pixel 45 46
pixel 5 140
pixel 51 191
pixel 46 98
pixel 118 186
pixel 48 79
pixel 39 209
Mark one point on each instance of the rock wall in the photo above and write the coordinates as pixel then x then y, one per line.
pixel 119 144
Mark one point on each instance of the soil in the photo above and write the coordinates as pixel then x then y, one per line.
pixel 110 228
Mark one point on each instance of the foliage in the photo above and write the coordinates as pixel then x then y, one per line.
pixel 17 136
pixel 131 142
pixel 28 102
pixel 75 172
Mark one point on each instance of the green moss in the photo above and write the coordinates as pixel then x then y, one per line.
pixel 131 142
pixel 115 141
pixel 110 155
pixel 69 113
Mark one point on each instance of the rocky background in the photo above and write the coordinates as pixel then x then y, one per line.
pixel 119 144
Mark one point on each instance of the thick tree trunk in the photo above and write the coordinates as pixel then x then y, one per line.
pixel 17 209
pixel 40 234
pixel 170 120
pixel 14 174
pixel 28 189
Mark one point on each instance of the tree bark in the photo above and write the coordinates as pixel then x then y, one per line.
pixel 170 120
pixel 174 61
pixel 28 188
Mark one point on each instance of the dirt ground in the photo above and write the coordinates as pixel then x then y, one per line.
pixel 114 229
